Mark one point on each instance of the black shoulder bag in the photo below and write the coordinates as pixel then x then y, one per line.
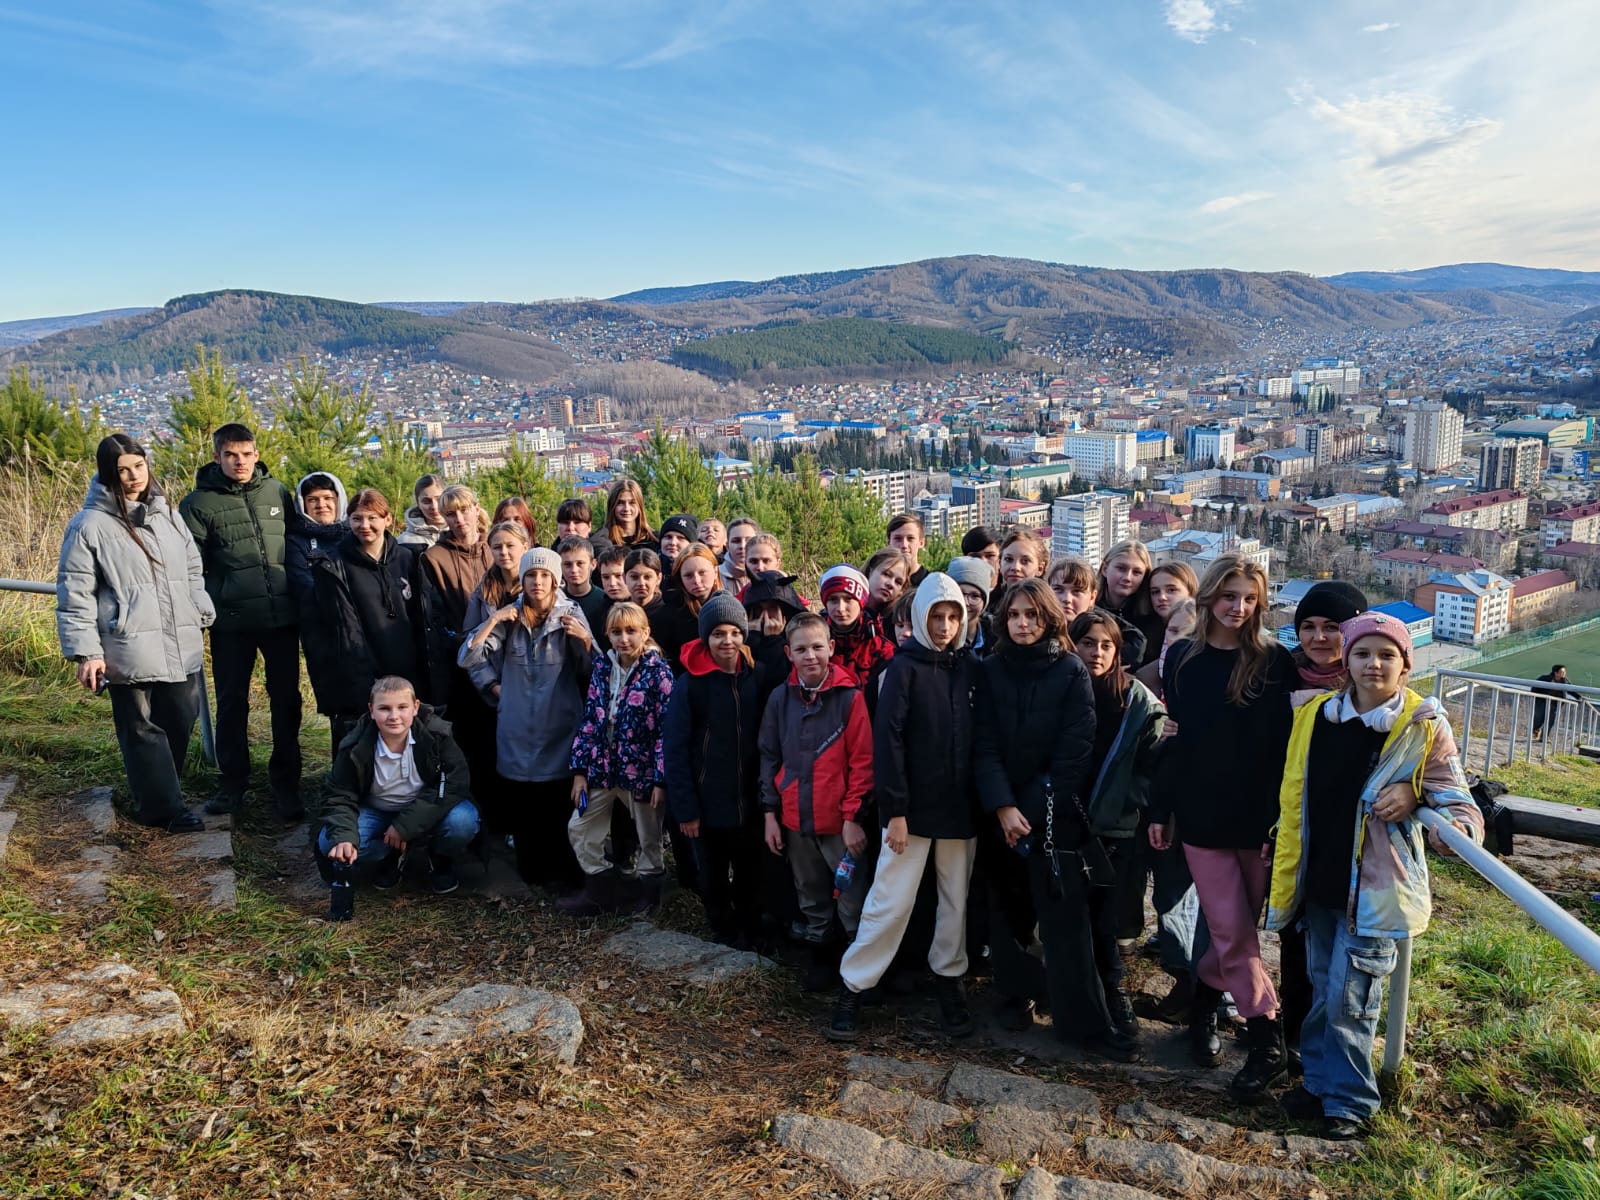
pixel 1091 857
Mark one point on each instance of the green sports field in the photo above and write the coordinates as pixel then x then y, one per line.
pixel 1580 653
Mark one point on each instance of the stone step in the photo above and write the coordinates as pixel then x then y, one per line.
pixel 861 1158
pixel 919 1118
pixel 1186 1173
pixel 700 961
pixel 1149 1120
pixel 1039 1184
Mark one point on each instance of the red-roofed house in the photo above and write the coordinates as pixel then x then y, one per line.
pixel 1405 569
pixel 1580 524
pixel 1501 509
pixel 1532 594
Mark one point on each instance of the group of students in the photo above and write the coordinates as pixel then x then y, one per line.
pixel 998 758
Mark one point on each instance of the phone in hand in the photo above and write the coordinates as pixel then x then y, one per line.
pixel 583 801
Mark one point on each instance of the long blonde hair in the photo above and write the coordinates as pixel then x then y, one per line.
pixel 1250 672
pixel 497 589
pixel 1137 604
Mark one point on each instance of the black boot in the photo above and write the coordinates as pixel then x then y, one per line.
pixel 846 1023
pixel 597 898
pixel 954 1015
pixel 1205 1047
pixel 822 971
pixel 650 888
pixel 1266 1063
pixel 1174 1006
pixel 1122 1014
pixel 1014 1014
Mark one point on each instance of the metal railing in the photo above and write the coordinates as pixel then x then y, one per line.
pixel 1514 719
pixel 208 734
pixel 1543 911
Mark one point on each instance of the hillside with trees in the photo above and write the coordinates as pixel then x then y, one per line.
pixel 847 342
pixel 248 326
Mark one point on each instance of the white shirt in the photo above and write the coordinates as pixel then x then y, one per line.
pixel 395 782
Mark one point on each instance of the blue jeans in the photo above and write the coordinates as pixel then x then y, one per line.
pixel 446 839
pixel 1347 974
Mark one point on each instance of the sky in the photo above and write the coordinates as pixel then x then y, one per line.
pixel 529 149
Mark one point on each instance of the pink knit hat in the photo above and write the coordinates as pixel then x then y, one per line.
pixel 1380 624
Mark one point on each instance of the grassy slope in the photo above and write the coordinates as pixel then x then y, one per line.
pixel 288 1081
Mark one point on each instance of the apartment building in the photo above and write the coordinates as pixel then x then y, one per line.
pixel 1579 524
pixel 1088 524
pixel 1469 607
pixel 1501 509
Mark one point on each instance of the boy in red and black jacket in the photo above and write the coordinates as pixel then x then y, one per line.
pixel 816 772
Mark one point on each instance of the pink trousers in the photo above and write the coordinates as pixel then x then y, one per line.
pixel 1232 886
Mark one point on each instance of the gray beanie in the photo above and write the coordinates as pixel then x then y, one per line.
pixel 722 609
pixel 974 572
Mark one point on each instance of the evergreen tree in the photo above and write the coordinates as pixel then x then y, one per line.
pixel 35 427
pixel 402 459
pixel 527 475
pixel 674 477
pixel 215 399
pixel 1391 482
pixel 319 426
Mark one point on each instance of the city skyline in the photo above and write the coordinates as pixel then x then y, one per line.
pixel 478 151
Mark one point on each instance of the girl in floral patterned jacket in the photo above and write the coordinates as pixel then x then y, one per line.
pixel 616 759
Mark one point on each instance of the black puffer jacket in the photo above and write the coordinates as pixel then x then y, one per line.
pixel 241 529
pixel 710 740
pixel 1035 720
pixel 922 741
pixel 368 624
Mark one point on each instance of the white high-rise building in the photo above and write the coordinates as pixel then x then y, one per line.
pixel 1511 463
pixel 1211 445
pixel 1097 452
pixel 1433 436
pixel 983 495
pixel 1088 525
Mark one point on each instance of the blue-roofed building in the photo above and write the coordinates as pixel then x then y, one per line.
pixel 1418 621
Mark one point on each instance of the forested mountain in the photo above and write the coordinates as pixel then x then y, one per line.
pixel 1463 275
pixel 20 333
pixel 841 342
pixel 266 326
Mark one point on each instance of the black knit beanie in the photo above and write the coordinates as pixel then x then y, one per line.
pixel 1334 599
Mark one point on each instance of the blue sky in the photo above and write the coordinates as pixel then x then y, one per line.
pixel 523 149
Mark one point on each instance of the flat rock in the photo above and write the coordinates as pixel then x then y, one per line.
pixel 971 1084
pixel 8 822
pixel 1015 1134
pixel 95 805
pixel 89 885
pixel 1147 1119
pixel 920 1117
pixel 860 1157
pixel 150 1014
pixel 223 889
pixel 498 1010
pixel 1039 1184
pixel 1170 1166
pixel 702 962
pixel 926 1079
pixel 110 1002
pixel 215 845
pixel 1299 1148
pixel 8 784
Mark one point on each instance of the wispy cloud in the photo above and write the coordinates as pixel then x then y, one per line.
pixel 1192 20
pixel 1380 27
pixel 1223 204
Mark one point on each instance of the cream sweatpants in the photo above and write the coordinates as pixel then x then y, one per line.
pixel 889 905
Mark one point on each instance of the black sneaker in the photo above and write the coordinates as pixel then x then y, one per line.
pixel 1341 1129
pixel 1113 1045
pixel 846 1023
pixel 386 874
pixel 1300 1104
pixel 223 802
pixel 186 820
pixel 441 876
pixel 954 1015
pixel 1014 1014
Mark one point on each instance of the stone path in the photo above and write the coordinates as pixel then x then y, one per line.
pixel 701 962
pixel 108 1003
pixel 969 1131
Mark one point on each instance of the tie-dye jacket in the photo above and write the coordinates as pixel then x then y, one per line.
pixel 1389 892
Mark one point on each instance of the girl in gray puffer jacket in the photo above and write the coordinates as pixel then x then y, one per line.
pixel 130 604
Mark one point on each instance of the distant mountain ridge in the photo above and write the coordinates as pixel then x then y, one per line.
pixel 1495 276
pixel 20 333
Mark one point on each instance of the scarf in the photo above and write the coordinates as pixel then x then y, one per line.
pixel 1324 679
